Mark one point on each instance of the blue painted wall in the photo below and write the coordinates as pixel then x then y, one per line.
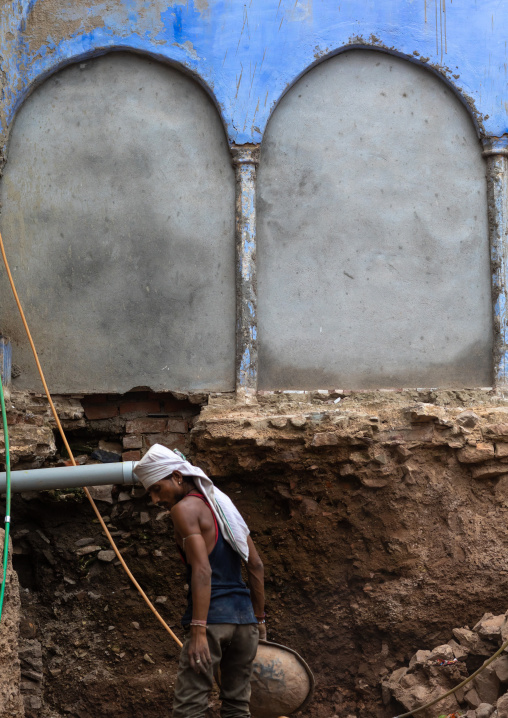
pixel 248 53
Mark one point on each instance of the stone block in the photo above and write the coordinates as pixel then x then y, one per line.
pixel 476 454
pixel 501 451
pixel 496 432
pixel 488 471
pixel 325 438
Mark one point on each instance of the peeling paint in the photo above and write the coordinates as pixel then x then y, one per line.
pixel 245 161
pixel 282 39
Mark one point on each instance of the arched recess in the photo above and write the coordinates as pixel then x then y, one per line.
pixel 373 258
pixel 118 216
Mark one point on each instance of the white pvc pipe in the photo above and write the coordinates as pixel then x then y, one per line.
pixel 68 477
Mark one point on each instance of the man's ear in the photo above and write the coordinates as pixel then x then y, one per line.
pixel 177 476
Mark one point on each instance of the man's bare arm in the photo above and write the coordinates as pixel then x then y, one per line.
pixel 256 574
pixel 186 523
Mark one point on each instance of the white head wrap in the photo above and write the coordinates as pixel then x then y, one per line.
pixel 159 463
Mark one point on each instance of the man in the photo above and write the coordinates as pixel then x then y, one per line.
pixel 224 621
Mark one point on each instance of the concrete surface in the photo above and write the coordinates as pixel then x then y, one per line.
pixel 373 257
pixel 118 219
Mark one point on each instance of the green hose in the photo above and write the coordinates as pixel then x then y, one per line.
pixel 8 499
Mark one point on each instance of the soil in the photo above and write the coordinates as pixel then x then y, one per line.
pixel 374 547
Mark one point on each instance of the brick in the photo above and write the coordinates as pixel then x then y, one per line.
pixel 132 441
pixel 171 405
pixel 171 441
pixel 101 411
pixel 178 426
pixel 142 407
pixel 145 426
pixel 131 456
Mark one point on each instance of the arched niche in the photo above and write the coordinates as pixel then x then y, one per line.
pixel 373 257
pixel 118 217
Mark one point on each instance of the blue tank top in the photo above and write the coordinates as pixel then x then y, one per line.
pixel 230 598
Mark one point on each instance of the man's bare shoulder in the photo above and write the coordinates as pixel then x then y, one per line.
pixel 188 507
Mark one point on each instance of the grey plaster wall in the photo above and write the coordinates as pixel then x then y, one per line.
pixel 373 259
pixel 118 217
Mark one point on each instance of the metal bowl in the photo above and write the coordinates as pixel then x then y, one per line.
pixel 282 683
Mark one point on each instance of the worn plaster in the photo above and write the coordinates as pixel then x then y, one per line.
pixel 248 55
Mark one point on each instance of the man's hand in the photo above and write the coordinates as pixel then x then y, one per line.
pixel 199 653
pixel 262 631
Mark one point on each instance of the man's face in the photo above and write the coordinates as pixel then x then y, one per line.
pixel 165 492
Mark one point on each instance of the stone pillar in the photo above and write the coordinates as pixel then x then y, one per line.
pixel 11 702
pixel 495 150
pixel 245 161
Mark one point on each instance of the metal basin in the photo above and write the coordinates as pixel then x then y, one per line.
pixel 282 683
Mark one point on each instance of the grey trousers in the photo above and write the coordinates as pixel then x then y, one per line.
pixel 232 649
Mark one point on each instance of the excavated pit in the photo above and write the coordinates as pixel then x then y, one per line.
pixel 381 520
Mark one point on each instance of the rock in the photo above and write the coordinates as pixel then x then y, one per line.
pixel 148 658
pixel 459 652
pixel 500 666
pixel 472 698
pixel 488 471
pixel 496 432
pixel 502 706
pixel 84 542
pixel 135 625
pixel 101 493
pixel 298 421
pixel 105 457
pixel 278 422
pixel 144 517
pixel 484 710
pixel 374 482
pixel 107 556
pixel 468 419
pixel 486 684
pixel 308 506
pixel 476 454
pixel 424 413
pixel 419 658
pixel 490 626
pixel 86 550
pixel 471 641
pixel 326 438
pixel 501 451
pixel 123 496
pixel 161 599
pixel 113 447
pixel 444 653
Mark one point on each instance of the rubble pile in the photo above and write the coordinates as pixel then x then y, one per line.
pixel 11 703
pixel 433 673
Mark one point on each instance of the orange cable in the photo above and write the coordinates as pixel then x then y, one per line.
pixel 64 438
